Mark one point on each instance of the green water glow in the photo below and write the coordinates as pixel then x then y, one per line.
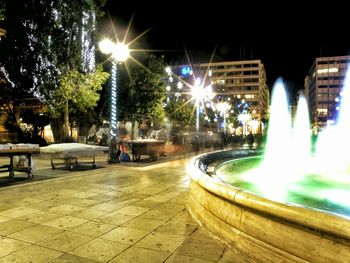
pixel 311 190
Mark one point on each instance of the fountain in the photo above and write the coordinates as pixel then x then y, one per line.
pixel 291 204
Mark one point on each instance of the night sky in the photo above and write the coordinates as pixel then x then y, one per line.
pixel 246 31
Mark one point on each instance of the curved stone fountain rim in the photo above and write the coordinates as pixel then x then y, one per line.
pixel 326 222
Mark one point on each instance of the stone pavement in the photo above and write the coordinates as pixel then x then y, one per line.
pixel 116 213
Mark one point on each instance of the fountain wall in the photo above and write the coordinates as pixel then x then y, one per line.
pixel 264 230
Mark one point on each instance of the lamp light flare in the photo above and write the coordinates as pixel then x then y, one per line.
pixel 121 52
pixel 168 70
pixel 223 106
pixel 106 46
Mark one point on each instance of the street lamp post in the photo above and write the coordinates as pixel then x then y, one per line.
pixel 199 95
pixel 223 107
pixel 244 118
pixel 120 53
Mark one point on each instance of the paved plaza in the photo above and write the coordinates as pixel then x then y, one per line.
pixel 124 212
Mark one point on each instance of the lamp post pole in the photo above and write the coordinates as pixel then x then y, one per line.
pixel 112 156
pixel 200 94
pixel 120 53
pixel 223 107
pixel 244 118
pixel 197 119
pixel 113 113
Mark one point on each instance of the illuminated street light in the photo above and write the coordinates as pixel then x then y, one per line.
pixel 200 94
pixel 244 118
pixel 255 125
pixel 223 107
pixel 120 53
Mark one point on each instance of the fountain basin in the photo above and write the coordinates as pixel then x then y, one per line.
pixel 265 230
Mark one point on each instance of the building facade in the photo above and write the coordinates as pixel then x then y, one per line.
pixel 2 32
pixel 241 80
pixel 241 84
pixel 323 88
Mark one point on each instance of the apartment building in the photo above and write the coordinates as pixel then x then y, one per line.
pixel 234 82
pixel 243 80
pixel 323 88
pixel 2 32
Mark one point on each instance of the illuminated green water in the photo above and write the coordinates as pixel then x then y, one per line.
pixel 312 191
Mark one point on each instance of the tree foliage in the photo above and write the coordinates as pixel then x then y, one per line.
pixel 78 90
pixel 2 10
pixel 48 40
pixel 143 95
pixel 180 113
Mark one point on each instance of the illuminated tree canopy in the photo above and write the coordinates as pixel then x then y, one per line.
pixel 48 40
pixel 144 92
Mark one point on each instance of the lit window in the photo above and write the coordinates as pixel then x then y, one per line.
pixel 322 111
pixel 327 70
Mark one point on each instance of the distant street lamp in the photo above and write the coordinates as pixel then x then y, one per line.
pixel 244 118
pixel 120 53
pixel 223 107
pixel 200 94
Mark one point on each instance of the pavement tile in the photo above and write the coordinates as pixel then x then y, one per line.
pixel 204 249
pixel 65 222
pixel 68 258
pixel 4 218
pixel 115 193
pixel 106 206
pixel 13 225
pixel 65 241
pixel 159 213
pixel 36 233
pixel 157 241
pixel 183 217
pixel 101 197
pixel 96 215
pixel 89 213
pixel 9 245
pixel 163 197
pixel 66 192
pixel 99 250
pixel 175 258
pixel 28 201
pixel 82 202
pixel 235 256
pixel 143 223
pixel 64 209
pixel 94 229
pixel 201 233
pixel 132 210
pixel 32 254
pixel 18 212
pixel 44 205
pixel 40 217
pixel 140 255
pixel 115 218
pixel 125 235
pixel 83 194
pixel 147 203
pixel 179 229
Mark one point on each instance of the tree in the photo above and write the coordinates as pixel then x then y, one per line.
pixel 142 96
pixel 77 93
pixel 46 41
pixel 2 11
pixel 180 113
pixel 73 53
